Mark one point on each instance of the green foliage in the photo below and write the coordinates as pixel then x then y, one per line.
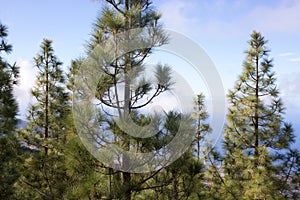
pixel 43 177
pixel 85 180
pixel 8 79
pixel 10 166
pixel 10 160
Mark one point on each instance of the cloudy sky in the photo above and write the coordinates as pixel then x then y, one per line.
pixel 221 27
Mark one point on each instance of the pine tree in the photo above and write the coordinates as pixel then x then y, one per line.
pixel 255 130
pixel 9 146
pixel 44 176
pixel 126 72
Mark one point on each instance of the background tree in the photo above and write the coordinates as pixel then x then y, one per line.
pixel 44 176
pixel 288 173
pixel 86 179
pixel 9 146
pixel 203 127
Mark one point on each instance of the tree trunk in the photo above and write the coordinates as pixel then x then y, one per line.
pixel 198 137
pixel 46 127
pixel 175 187
pixel 256 142
pixel 126 175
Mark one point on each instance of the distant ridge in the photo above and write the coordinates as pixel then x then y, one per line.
pixel 21 123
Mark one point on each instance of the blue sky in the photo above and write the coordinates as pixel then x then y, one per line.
pixel 221 27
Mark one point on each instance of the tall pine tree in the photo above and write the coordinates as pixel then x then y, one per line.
pixel 44 176
pixel 125 72
pixel 255 132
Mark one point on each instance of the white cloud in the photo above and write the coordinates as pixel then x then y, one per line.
pixel 294 59
pixel 175 15
pixel 283 18
pixel 220 19
pixel 290 90
pixel 26 82
pixel 286 54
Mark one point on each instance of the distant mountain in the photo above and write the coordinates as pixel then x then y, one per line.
pixel 25 147
pixel 296 127
pixel 21 123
